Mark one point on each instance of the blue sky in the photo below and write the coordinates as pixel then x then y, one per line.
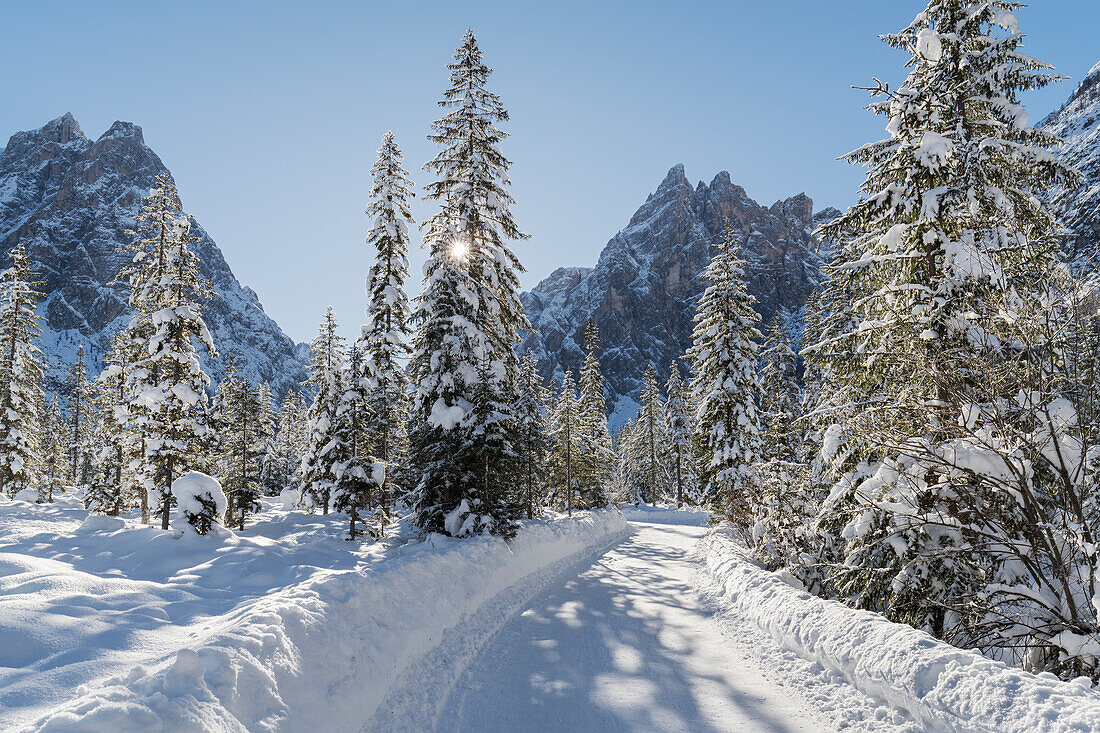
pixel 269 113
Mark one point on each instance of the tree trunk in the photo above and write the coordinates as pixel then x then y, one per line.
pixel 166 495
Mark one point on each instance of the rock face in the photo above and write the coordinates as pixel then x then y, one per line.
pixel 1078 123
pixel 643 291
pixel 71 200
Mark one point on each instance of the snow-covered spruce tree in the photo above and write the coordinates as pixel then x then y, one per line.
pixel 566 432
pixel 215 447
pixel 323 450
pixel 464 365
pixel 243 442
pixel 283 462
pixel 596 463
pixel 386 335
pixel 723 361
pixel 958 489
pixel 168 383
pixel 108 491
pixel 356 474
pixel 678 441
pixel 623 489
pixel 81 419
pixel 266 422
pixel 644 445
pixel 779 394
pixel 533 445
pixel 20 372
pixel 51 437
pixel 783 506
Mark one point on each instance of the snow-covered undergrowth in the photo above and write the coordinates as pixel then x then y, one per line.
pixel 940 686
pixel 108 625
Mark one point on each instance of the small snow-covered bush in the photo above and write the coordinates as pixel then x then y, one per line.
pixel 201 499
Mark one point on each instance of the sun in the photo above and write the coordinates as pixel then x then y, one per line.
pixel 459 249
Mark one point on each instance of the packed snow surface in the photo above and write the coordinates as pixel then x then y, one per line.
pixel 622 646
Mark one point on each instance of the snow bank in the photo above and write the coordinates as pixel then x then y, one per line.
pixel 940 686
pixel 322 654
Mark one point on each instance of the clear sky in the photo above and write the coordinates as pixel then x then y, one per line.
pixel 269 113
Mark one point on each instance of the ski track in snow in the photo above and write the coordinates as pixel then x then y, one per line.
pixel 627 639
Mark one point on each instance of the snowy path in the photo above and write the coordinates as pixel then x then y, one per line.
pixel 625 645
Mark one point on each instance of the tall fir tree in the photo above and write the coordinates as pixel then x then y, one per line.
pixel 597 461
pixel 168 385
pixel 109 489
pixel 644 445
pixel 940 367
pixel 323 450
pixel 283 463
pixel 567 432
pixel 266 423
pixel 20 372
pixel 464 365
pixel 386 335
pixel 723 359
pixel 52 439
pixel 81 421
pixel 243 446
pixel 679 437
pixel 533 445
pixel 779 393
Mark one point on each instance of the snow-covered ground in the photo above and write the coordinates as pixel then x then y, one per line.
pixel 107 625
pixel 623 646
pixel 937 686
pixel 574 625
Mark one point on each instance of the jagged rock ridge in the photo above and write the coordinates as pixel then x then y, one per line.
pixel 70 200
pixel 642 292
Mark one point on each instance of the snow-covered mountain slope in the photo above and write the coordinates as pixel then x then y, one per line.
pixel 1078 123
pixel 643 290
pixel 70 200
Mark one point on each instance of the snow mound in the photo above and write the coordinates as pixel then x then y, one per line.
pixel 27 495
pixel 324 653
pixel 940 686
pixel 100 523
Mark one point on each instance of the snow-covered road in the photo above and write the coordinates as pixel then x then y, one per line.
pixel 626 645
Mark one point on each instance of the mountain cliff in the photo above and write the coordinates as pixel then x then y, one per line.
pixel 642 292
pixel 70 200
pixel 1077 122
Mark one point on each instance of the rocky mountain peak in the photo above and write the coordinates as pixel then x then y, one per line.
pixel 71 201
pixel 643 290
